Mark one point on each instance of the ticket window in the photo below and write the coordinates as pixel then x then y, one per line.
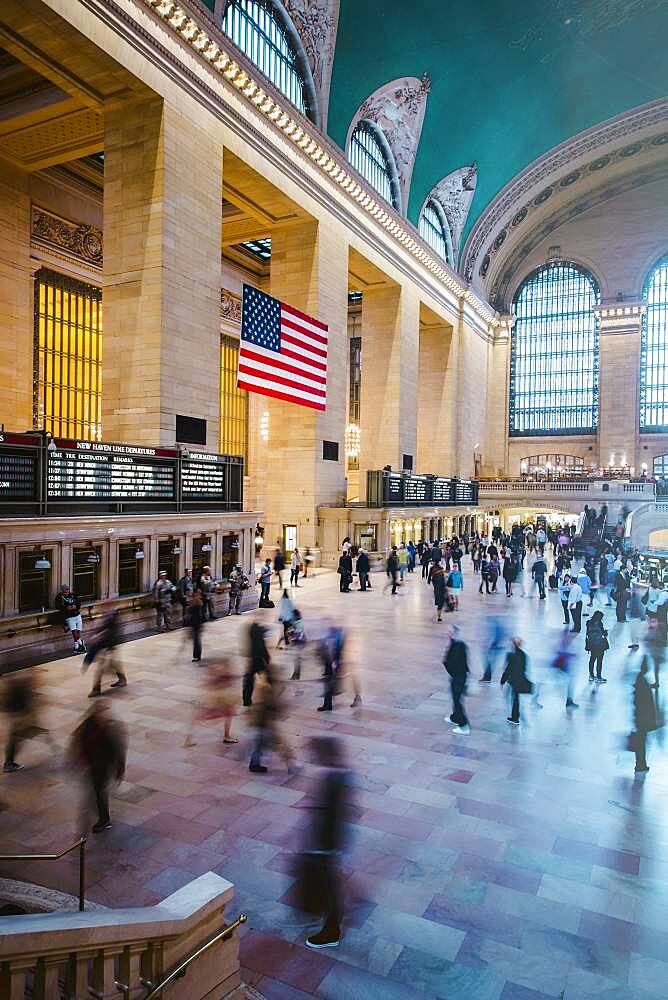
pixel 202 553
pixel 366 537
pixel 34 584
pixel 86 572
pixel 168 559
pixel 129 568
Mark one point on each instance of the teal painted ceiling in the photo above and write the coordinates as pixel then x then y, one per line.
pixel 510 78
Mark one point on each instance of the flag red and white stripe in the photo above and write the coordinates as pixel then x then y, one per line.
pixel 282 352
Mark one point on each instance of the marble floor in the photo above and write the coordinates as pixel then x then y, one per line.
pixel 512 864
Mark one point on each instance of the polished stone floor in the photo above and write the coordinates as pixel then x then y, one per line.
pixel 512 864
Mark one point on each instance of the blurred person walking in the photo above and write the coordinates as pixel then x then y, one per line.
pixel 18 699
pixel 437 580
pixel 596 644
pixel 318 878
pixel 196 619
pixel 538 573
pixel 455 662
pixel 259 661
pixel 515 675
pixel 644 717
pixel 265 721
pixel 564 591
pixel 103 654
pixel 98 750
pixel 330 650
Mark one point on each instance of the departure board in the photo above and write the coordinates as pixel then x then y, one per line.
pixel 416 490
pixel 19 467
pixel 441 491
pixel 466 492
pixel 93 471
pixel 394 488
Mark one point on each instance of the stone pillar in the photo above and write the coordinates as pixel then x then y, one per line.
pixel 436 400
pixel 619 382
pixel 496 441
pixel 309 270
pixel 162 238
pixel 16 301
pixel 390 343
pixel 111 588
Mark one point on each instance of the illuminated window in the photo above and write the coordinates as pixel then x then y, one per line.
pixel 67 371
pixel 370 154
pixel 554 353
pixel 654 351
pixel 434 231
pixel 660 467
pixel 233 402
pixel 259 30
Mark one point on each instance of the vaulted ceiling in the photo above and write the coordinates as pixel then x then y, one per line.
pixel 510 78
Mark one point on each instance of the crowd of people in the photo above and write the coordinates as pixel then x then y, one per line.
pixel 536 560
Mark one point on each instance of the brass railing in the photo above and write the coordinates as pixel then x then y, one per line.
pixel 155 988
pixel 80 844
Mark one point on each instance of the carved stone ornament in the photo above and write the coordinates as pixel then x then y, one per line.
pixel 398 109
pixel 316 22
pixel 72 240
pixel 454 194
pixel 230 306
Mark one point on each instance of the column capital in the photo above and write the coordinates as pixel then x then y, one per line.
pixel 620 317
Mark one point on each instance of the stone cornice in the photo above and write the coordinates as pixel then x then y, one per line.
pixel 229 66
pixel 230 307
pixel 620 317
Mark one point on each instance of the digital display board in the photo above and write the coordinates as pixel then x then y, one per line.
pixel 416 490
pixel 394 488
pixel 203 475
pixel 19 467
pixel 441 491
pixel 94 471
pixel 465 492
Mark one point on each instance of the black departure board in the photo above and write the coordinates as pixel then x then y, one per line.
pixel 19 467
pixel 93 471
pixel 395 489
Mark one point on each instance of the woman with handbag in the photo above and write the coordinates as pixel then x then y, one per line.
pixel 596 644
pixel 645 717
pixel 515 675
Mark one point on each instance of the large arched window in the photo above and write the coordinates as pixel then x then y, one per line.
pixel 371 155
pixel 434 230
pixel 554 353
pixel 654 351
pixel 264 35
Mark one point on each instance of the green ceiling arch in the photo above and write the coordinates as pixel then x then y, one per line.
pixel 510 80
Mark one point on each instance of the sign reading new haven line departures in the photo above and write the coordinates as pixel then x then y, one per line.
pixel 78 476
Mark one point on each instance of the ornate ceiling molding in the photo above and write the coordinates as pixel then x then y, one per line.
pixel 398 108
pixel 454 193
pixel 316 22
pixel 619 138
pixel 72 241
pixel 503 286
pixel 230 307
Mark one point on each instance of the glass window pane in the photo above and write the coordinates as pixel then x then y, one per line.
pixel 253 27
pixel 432 231
pixel 554 353
pixel 66 401
pixel 654 352
pixel 233 402
pixel 367 157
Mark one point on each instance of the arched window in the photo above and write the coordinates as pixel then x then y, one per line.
pixel 434 230
pixel 554 353
pixel 654 351
pixel 371 155
pixel 272 44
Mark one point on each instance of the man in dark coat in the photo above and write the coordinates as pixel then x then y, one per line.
pixel 345 572
pixel 362 567
pixel 515 675
pixel 644 714
pixel 455 662
pixel 99 748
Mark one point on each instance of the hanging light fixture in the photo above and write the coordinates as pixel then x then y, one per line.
pixel 352 441
pixel 207 547
pixel 139 554
pixel 176 551
pixel 42 562
pixel 93 557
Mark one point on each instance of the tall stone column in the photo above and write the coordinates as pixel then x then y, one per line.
pixel 309 270
pixel 436 400
pixel 16 303
pixel 619 382
pixel 390 344
pixel 496 443
pixel 162 239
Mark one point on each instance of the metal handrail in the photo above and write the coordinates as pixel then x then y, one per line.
pixel 80 844
pixel 182 967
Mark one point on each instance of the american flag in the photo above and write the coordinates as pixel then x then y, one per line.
pixel 283 352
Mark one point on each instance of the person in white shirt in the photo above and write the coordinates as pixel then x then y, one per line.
pixel 295 564
pixel 575 606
